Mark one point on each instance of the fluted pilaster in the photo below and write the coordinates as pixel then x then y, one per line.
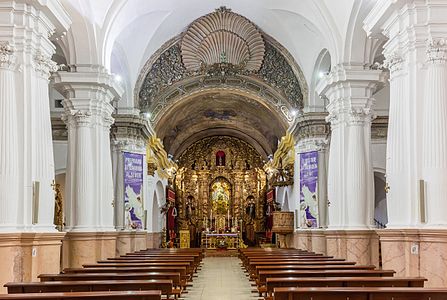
pixel 397 155
pixel 435 133
pixel 335 196
pixel 43 159
pixel 357 167
pixel 85 189
pixel 9 159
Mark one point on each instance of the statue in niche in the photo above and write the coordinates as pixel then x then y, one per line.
pixel 189 207
pixel 250 210
pixel 247 165
pixel 220 158
pixel 193 166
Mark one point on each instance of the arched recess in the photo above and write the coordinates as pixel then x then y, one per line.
pixel 158 201
pixel 155 214
pixel 285 204
pixel 380 201
pixel 322 67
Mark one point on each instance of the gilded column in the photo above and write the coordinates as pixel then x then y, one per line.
pixel 397 152
pixel 435 133
pixel 9 159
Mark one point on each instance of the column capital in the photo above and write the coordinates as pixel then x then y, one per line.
pixel 7 57
pixel 43 64
pixel 437 50
pixel 394 62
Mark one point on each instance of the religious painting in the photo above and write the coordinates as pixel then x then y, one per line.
pixel 309 189
pixel 220 196
pixel 133 188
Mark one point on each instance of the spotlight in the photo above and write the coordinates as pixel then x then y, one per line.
pixel 321 74
pixel 147 115
pixel 118 77
pixel 293 112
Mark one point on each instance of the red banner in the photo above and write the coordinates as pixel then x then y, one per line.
pixel 271 195
pixel 170 195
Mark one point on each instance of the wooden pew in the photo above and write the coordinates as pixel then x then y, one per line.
pixel 310 268
pixel 273 283
pixel 366 293
pixel 252 267
pixel 174 277
pixel 263 275
pixel 115 295
pixel 148 262
pixel 181 270
pixel 163 286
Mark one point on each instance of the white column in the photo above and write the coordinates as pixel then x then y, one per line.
pixel 434 166
pixel 107 209
pixel 84 212
pixel 350 177
pixel 335 180
pixel 41 140
pixel 118 172
pixel 397 153
pixel 9 159
pixel 88 112
pixel 358 170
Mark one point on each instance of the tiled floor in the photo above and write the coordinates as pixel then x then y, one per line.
pixel 221 278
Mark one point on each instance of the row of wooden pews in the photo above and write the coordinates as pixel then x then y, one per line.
pixel 292 274
pixel 148 274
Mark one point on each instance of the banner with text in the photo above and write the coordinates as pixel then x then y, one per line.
pixel 133 190
pixel 309 189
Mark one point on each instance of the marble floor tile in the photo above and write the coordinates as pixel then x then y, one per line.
pixel 221 278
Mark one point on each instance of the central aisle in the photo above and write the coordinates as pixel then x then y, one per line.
pixel 221 278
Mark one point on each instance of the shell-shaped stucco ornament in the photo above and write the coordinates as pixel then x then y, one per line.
pixel 222 37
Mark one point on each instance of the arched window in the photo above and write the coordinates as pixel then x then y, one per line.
pixel 220 158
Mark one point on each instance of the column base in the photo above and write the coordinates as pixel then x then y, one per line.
pixel 360 246
pixel 130 241
pixel 26 255
pixel 154 240
pixel 416 252
pixel 80 248
pixel 311 240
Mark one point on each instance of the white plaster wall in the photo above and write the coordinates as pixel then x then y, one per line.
pixel 156 191
pixel 378 153
pixel 60 149
pixel 382 105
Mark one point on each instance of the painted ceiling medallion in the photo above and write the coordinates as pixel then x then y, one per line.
pixel 222 37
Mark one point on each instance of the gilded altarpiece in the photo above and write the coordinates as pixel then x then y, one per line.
pixel 220 178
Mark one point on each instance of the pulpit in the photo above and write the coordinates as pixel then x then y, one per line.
pixel 283 222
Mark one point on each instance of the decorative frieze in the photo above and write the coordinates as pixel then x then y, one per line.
pixel 7 57
pixel 379 128
pixel 43 64
pixel 437 50
pixel 394 62
pixel 311 125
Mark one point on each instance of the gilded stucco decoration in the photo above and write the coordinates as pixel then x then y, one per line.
pixel 158 160
pixel 221 49
pixel 222 37
pixel 220 175
pixel 281 165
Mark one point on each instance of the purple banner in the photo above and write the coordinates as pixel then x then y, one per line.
pixel 309 189
pixel 133 186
